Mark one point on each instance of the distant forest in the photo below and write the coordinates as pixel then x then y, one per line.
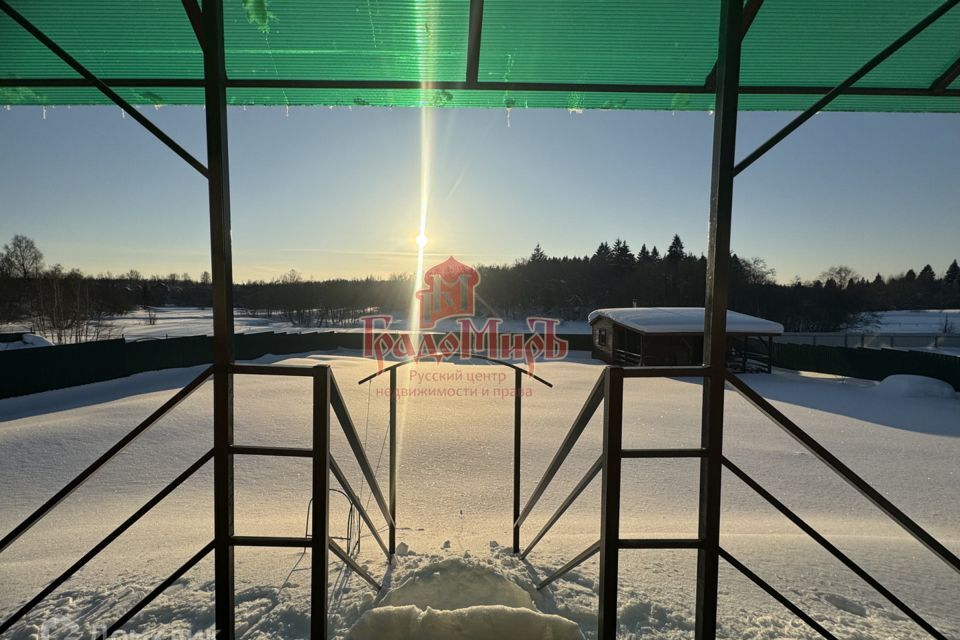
pixel 69 306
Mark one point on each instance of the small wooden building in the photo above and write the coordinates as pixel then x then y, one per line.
pixel 673 336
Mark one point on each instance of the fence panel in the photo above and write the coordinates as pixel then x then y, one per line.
pixel 869 364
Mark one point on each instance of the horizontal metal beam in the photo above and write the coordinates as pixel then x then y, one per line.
pixel 270 541
pixel 160 588
pixel 862 486
pixel 121 444
pixel 353 439
pixel 661 543
pixel 561 87
pixel 576 430
pixel 284 452
pixel 270 370
pixel 104 89
pixel 776 595
pixel 845 86
pixel 663 453
pixel 105 542
pixel 577 490
pixel 355 499
pixel 665 372
pixel 834 551
pixel 579 559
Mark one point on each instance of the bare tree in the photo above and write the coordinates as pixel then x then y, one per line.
pixel 21 258
pixel 841 274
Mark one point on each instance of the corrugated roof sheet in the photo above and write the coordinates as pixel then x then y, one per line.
pixel 661 51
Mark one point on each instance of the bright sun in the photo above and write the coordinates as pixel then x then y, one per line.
pixel 421 241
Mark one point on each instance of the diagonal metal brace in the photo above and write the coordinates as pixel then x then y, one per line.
pixel 99 84
pixel 817 106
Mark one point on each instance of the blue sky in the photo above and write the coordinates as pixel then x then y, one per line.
pixel 335 192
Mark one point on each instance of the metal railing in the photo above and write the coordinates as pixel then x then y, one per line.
pixel 608 390
pixel 326 396
pixel 518 374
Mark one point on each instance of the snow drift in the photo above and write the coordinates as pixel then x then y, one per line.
pixel 906 386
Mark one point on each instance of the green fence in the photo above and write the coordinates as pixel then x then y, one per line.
pixel 869 364
pixel 25 371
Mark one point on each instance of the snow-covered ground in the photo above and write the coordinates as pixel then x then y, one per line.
pixel 930 321
pixel 455 504
pixel 173 322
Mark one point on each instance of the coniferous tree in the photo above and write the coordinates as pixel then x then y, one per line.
pixel 953 273
pixel 675 250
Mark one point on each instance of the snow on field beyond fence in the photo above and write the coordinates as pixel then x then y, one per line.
pixel 455 505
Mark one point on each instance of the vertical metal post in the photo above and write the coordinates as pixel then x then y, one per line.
pixel 610 503
pixel 715 330
pixel 393 462
pixel 769 354
pixel 319 542
pixel 517 405
pixel 222 269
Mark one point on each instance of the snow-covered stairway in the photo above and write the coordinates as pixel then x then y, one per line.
pixel 462 597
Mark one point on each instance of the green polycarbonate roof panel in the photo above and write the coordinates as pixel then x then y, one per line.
pixel 369 40
pixel 660 51
pixel 640 42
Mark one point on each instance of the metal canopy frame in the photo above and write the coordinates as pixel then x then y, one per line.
pixel 723 80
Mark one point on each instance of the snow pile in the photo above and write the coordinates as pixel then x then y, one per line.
pixel 907 386
pixel 27 341
pixel 454 584
pixel 486 622
pixel 458 599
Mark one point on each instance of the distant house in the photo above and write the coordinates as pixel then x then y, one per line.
pixel 673 336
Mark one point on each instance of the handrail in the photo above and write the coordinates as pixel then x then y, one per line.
pixel 589 408
pixel 160 588
pixel 577 490
pixel 353 438
pixel 303 543
pixel 355 499
pixel 578 559
pixel 776 595
pixel 829 546
pixel 438 355
pixel 121 444
pixel 100 546
pixel 854 480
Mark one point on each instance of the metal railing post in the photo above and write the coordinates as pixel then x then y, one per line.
pixel 320 541
pixel 610 503
pixel 715 316
pixel 392 543
pixel 215 100
pixel 517 406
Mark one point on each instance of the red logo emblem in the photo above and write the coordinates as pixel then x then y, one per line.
pixel 449 292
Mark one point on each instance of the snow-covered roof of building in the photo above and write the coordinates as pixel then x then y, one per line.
pixel 687 320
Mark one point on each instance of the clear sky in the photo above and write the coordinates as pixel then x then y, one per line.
pixel 335 192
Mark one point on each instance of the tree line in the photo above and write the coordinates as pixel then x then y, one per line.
pixel 66 305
